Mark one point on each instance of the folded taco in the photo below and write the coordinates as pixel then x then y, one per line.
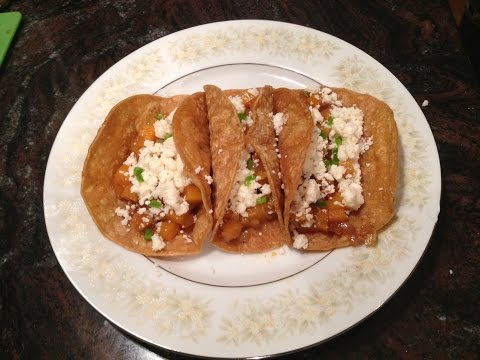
pixel 146 177
pixel 339 184
pixel 247 189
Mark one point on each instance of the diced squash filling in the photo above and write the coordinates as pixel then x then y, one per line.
pixel 152 214
pixel 329 192
pixel 262 209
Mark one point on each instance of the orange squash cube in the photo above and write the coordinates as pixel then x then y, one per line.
pixel 141 221
pixel 313 101
pixel 186 220
pixel 325 111
pixel 168 230
pixel 192 195
pixel 148 131
pixel 231 229
pixel 122 184
pixel 321 222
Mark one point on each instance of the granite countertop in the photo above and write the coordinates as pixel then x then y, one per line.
pixel 62 46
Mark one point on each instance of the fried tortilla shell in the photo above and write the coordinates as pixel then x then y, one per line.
pixel 192 140
pixel 109 149
pixel 379 179
pixel 293 143
pixel 227 134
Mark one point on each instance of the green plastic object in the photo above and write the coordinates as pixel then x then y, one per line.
pixel 9 22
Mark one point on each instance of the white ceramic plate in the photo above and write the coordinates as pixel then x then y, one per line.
pixel 223 305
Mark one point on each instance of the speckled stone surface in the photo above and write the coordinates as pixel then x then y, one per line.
pixel 63 46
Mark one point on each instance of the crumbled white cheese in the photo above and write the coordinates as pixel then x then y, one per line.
pixel 242 196
pixel 209 179
pixel 198 169
pixel 348 123
pixel 300 241
pixel 248 120
pixel 329 97
pixel 337 171
pixel 279 119
pixel 157 242
pixel 131 159
pixel 318 180
pixel 425 103
pixel 162 173
pixel 316 115
pixel 123 213
pixel 351 193
pixel 365 144
pixel 237 103
pixel 164 126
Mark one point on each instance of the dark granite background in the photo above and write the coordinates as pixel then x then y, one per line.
pixel 63 46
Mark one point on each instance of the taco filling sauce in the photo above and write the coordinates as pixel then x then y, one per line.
pixel 330 187
pixel 161 201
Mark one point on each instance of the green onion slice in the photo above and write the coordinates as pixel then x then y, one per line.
pixel 262 200
pixel 335 159
pixel 167 135
pixel 250 164
pixel 155 204
pixel 249 179
pixel 147 234
pixel 338 140
pixel 242 116
pixel 320 204
pixel 330 120
pixel 323 135
pixel 159 116
pixel 137 171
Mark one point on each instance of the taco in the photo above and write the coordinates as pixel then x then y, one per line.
pixel 146 177
pixel 247 193
pixel 340 185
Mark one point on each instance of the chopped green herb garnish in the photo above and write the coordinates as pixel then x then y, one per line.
pixel 249 179
pixel 327 162
pixel 167 135
pixel 262 200
pixel 155 204
pixel 147 234
pixel 137 171
pixel 159 116
pixel 250 164
pixel 338 140
pixel 335 159
pixel 330 120
pixel 320 204
pixel 323 135
pixel 307 93
pixel 242 116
